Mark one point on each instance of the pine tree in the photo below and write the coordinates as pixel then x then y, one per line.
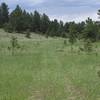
pixel 16 19
pixel 36 22
pixel 27 20
pixel 61 32
pixel 4 14
pixel 28 34
pixel 88 47
pixel 72 33
pixel 54 28
pixel 91 30
pixel 45 21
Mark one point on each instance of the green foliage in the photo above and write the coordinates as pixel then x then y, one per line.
pixel 91 30
pixel 66 27
pixel 98 73
pixel 36 22
pixel 98 13
pixel 20 20
pixel 72 39
pixel 88 47
pixel 41 71
pixel 65 42
pixel 54 28
pixel 80 28
pixel 28 34
pixel 4 14
pixel 45 21
pixel 72 33
pixel 27 20
pixel 16 19
pixel 8 27
pixel 14 44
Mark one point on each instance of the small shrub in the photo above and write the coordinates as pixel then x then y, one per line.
pixel 72 40
pixel 65 42
pixel 14 45
pixel 88 47
pixel 28 34
pixel 96 50
pixel 81 48
pixel 98 73
pixel 8 28
pixel 46 36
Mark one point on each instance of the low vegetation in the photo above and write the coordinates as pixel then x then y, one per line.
pixel 21 21
pixel 44 70
pixel 42 59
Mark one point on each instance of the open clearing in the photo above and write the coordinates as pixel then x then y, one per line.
pixel 43 69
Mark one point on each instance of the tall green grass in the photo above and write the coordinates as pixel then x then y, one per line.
pixel 45 69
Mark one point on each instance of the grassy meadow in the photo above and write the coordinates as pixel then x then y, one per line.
pixel 46 69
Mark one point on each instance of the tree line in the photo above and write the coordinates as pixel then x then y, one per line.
pixel 20 20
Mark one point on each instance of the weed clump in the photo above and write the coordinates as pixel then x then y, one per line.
pixel 88 46
pixel 14 44
pixel 28 34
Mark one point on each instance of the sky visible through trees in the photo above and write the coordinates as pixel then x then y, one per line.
pixel 20 20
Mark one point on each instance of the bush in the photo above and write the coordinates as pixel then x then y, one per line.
pixel 65 42
pixel 28 34
pixel 14 44
pixel 88 47
pixel 8 27
pixel 98 73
